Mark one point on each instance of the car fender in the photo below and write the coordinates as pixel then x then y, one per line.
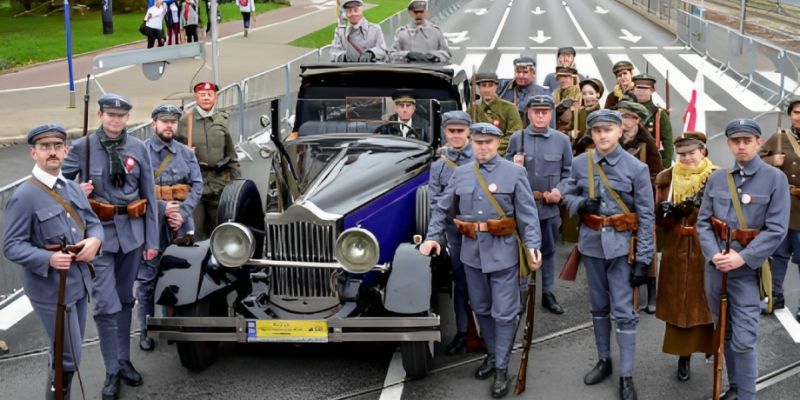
pixel 183 277
pixel 408 289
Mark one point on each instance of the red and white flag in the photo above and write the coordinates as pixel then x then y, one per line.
pixel 694 119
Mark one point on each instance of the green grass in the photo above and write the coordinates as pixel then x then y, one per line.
pixel 32 39
pixel 324 36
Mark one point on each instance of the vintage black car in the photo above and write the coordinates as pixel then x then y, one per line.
pixel 328 254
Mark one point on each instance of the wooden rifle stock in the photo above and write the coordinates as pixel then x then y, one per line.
pixel 473 86
pixel 719 355
pixel 530 309
pixel 85 174
pixel 570 270
pixel 58 345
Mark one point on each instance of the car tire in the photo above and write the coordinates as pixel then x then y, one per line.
pixel 423 211
pixel 240 202
pixel 417 359
pixel 197 356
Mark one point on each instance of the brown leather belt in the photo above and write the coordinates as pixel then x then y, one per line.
pixel 685 230
pixel 743 236
pixel 620 222
pixel 795 191
pixel 537 195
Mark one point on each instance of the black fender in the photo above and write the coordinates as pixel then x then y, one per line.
pixel 240 202
pixel 408 289
pixel 184 275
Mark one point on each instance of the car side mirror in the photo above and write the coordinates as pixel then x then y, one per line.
pixel 265 121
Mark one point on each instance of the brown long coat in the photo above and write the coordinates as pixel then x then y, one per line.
pixel 681 298
pixel 791 167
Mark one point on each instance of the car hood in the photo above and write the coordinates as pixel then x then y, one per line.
pixel 339 173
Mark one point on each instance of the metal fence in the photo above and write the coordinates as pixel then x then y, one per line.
pixel 245 102
pixel 663 9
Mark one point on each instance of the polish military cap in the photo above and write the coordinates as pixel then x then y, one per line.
pixel 639 109
pixel 418 5
pixel 742 127
pixel 352 3
pixel 166 111
pixel 456 117
pixel 649 80
pixel 792 102
pixel 524 61
pixel 603 115
pixel 621 66
pixel 541 101
pixel 565 50
pixel 404 96
pixel 486 77
pixel 205 86
pixel 46 130
pixel 566 71
pixel 485 128
pixel 597 84
pixel 690 138
pixel 111 100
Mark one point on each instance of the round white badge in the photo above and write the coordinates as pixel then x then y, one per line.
pixel 746 198
pixel 492 187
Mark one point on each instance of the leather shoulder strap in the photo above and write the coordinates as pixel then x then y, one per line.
pixel 792 141
pixel 657 124
pixel 449 162
pixel 57 197
pixel 643 153
pixel 607 185
pixel 164 163
pixel 737 204
pixel 488 193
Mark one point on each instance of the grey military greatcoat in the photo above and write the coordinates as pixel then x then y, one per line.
pixel 365 35
pixel 426 38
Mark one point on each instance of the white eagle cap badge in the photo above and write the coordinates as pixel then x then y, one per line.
pixel 492 187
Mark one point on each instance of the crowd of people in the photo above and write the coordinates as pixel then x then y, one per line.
pixel 181 18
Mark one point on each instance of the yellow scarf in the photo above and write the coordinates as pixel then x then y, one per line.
pixel 686 181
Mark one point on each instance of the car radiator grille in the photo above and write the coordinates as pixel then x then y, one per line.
pixel 302 242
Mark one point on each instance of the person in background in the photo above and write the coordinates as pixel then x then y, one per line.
pixel 190 19
pixel 154 19
pixel 247 7
pixel 173 21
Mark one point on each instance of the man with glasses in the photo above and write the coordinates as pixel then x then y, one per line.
pixel 523 85
pixel 359 41
pixel 118 179
pixel 50 210
pixel 420 41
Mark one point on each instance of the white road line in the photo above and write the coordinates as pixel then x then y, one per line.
pixel 505 67
pixel 789 85
pixel 674 47
pixel 789 323
pixel 744 96
pixel 545 64
pixel 657 100
pixel 589 69
pixel 393 384
pixel 510 48
pixel 682 84
pixel 500 27
pixel 79 81
pixel 610 47
pixel 14 312
pixel 479 48
pixel 472 60
pixel 578 27
pixel 643 47
pixel 553 48
pixel 271 25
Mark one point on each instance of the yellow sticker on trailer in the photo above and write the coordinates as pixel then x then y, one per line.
pixel 287 331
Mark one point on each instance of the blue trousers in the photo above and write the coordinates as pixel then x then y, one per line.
pixel 112 294
pixel 494 298
pixel 741 333
pixel 145 288
pixel 789 249
pixel 549 228
pixel 610 293
pixel 74 329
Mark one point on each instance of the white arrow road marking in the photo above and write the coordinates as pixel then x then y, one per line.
pixel 456 37
pixel 476 11
pixel 657 99
pixel 538 11
pixel 747 98
pixel 472 60
pixel 626 35
pixel 577 26
pixel 545 64
pixel 682 84
pixel 600 10
pixel 14 312
pixel 505 67
pixel 540 37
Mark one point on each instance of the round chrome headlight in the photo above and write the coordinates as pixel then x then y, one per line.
pixel 232 244
pixel 357 250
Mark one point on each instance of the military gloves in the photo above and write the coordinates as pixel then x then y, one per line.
pixel 639 274
pixel 415 56
pixel 591 206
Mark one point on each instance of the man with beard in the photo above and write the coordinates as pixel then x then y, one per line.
pixel 46 210
pixel 179 186
pixel 121 191
pixel 360 41
pixel 420 41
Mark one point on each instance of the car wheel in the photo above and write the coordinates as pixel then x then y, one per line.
pixel 240 202
pixel 197 356
pixel 417 359
pixel 423 211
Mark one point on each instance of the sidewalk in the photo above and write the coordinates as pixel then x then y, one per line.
pixel 39 94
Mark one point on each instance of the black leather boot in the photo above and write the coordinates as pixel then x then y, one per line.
pixel 111 387
pixel 128 374
pixel 146 343
pixel 550 303
pixel 684 363
pixel 731 394
pixel 500 384
pixel 626 389
pixel 600 371
pixel 51 385
pixel 486 369
pixel 458 345
pixel 778 301
pixel 651 296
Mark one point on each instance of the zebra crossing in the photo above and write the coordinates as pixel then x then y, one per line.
pixel 722 92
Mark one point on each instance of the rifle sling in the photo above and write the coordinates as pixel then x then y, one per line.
pixel 737 205
pixel 657 125
pixel 607 184
pixel 57 197
pixel 164 163
pixel 449 162
pixel 793 142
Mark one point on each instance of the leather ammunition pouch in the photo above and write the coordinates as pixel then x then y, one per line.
pixel 178 192
pixel 466 229
pixel 495 227
pixel 106 212
pixel 620 222
pixel 743 236
pixel 684 230
pixel 795 191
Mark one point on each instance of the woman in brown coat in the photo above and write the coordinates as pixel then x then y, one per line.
pixel 681 299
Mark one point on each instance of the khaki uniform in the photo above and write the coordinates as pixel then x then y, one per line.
pixel 564 119
pixel 212 142
pixel 500 113
pixel 667 147
pixel 791 167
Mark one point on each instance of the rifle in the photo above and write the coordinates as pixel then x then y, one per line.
pixel 530 308
pixel 666 92
pixel 723 321
pixel 473 88
pixel 58 345
pixel 85 174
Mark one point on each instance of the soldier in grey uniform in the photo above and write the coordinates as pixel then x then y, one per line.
pixel 547 156
pixel 491 260
pixel 420 40
pixel 359 41
pixel 35 218
pixel 763 194
pixel 523 85
pixel 565 58
pixel 613 268
pixel 121 191
pixel 457 152
pixel 179 186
